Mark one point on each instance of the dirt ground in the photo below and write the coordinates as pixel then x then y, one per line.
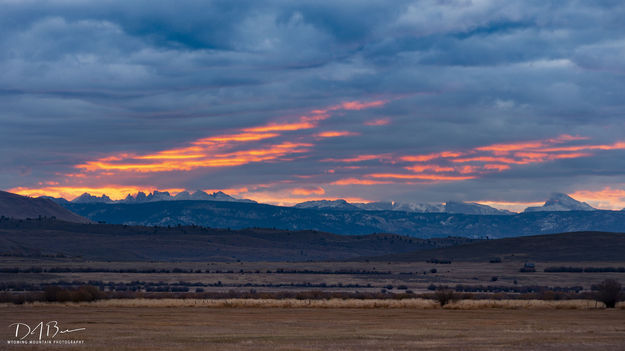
pixel 140 327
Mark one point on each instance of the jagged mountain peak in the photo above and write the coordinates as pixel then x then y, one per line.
pixel 88 198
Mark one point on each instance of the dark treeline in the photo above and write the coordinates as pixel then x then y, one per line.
pixel 509 289
pixel 182 270
pixel 180 286
pixel 585 269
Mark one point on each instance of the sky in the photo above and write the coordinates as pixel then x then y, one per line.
pixel 497 102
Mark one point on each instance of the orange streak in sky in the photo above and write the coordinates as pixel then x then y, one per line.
pixel 489 159
pixel 356 105
pixel 333 134
pixel 217 160
pixel 497 167
pixel 506 148
pixel 616 146
pixel 308 191
pixel 429 157
pixel 419 176
pixel 356 181
pixel 210 151
pixel 358 158
pixel 434 168
pixel 236 137
pixel 281 127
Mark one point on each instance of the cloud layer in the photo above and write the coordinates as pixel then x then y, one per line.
pixel 281 101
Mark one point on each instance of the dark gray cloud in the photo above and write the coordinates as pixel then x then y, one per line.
pixel 82 81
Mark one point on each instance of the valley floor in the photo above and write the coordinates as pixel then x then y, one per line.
pixel 141 327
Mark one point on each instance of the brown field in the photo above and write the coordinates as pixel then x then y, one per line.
pixel 193 325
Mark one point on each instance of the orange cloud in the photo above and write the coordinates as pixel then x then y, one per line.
pixel 333 134
pixel 429 157
pixel 358 158
pixel 357 105
pixel 504 149
pixel 308 191
pixel 249 136
pixel 496 166
pixel 434 168
pixel 172 162
pixel 274 127
pixel 607 198
pixel 356 181
pixel 489 159
pixel 419 176
pixel 215 151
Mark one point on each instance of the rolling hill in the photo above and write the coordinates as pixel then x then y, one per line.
pixel 20 207
pixel 193 243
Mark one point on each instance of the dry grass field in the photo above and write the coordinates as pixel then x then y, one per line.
pixel 175 325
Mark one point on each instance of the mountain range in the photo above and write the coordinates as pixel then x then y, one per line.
pixel 154 196
pixel 340 217
pixel 238 215
pixel 556 202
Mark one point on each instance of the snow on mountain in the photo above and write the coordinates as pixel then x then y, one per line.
pixel 561 202
pixel 327 204
pixel 449 207
pixel 400 206
pixel 86 198
pixel 141 197
pixel 472 208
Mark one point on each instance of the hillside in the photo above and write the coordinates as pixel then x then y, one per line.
pixel 17 206
pixel 578 246
pixel 238 215
pixel 192 243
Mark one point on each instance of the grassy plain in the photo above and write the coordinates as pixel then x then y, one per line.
pixel 125 326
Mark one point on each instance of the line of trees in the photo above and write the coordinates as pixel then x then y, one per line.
pixel 563 269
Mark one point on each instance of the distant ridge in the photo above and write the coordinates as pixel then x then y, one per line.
pixel 21 207
pixel 222 214
pixel 193 243
pixel 449 207
pixel 563 247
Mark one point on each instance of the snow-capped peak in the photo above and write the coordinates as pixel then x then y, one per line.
pixel 561 202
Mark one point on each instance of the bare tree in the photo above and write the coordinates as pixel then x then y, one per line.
pixel 609 292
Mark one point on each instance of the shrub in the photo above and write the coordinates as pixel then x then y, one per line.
pixel 609 292
pixel 444 296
